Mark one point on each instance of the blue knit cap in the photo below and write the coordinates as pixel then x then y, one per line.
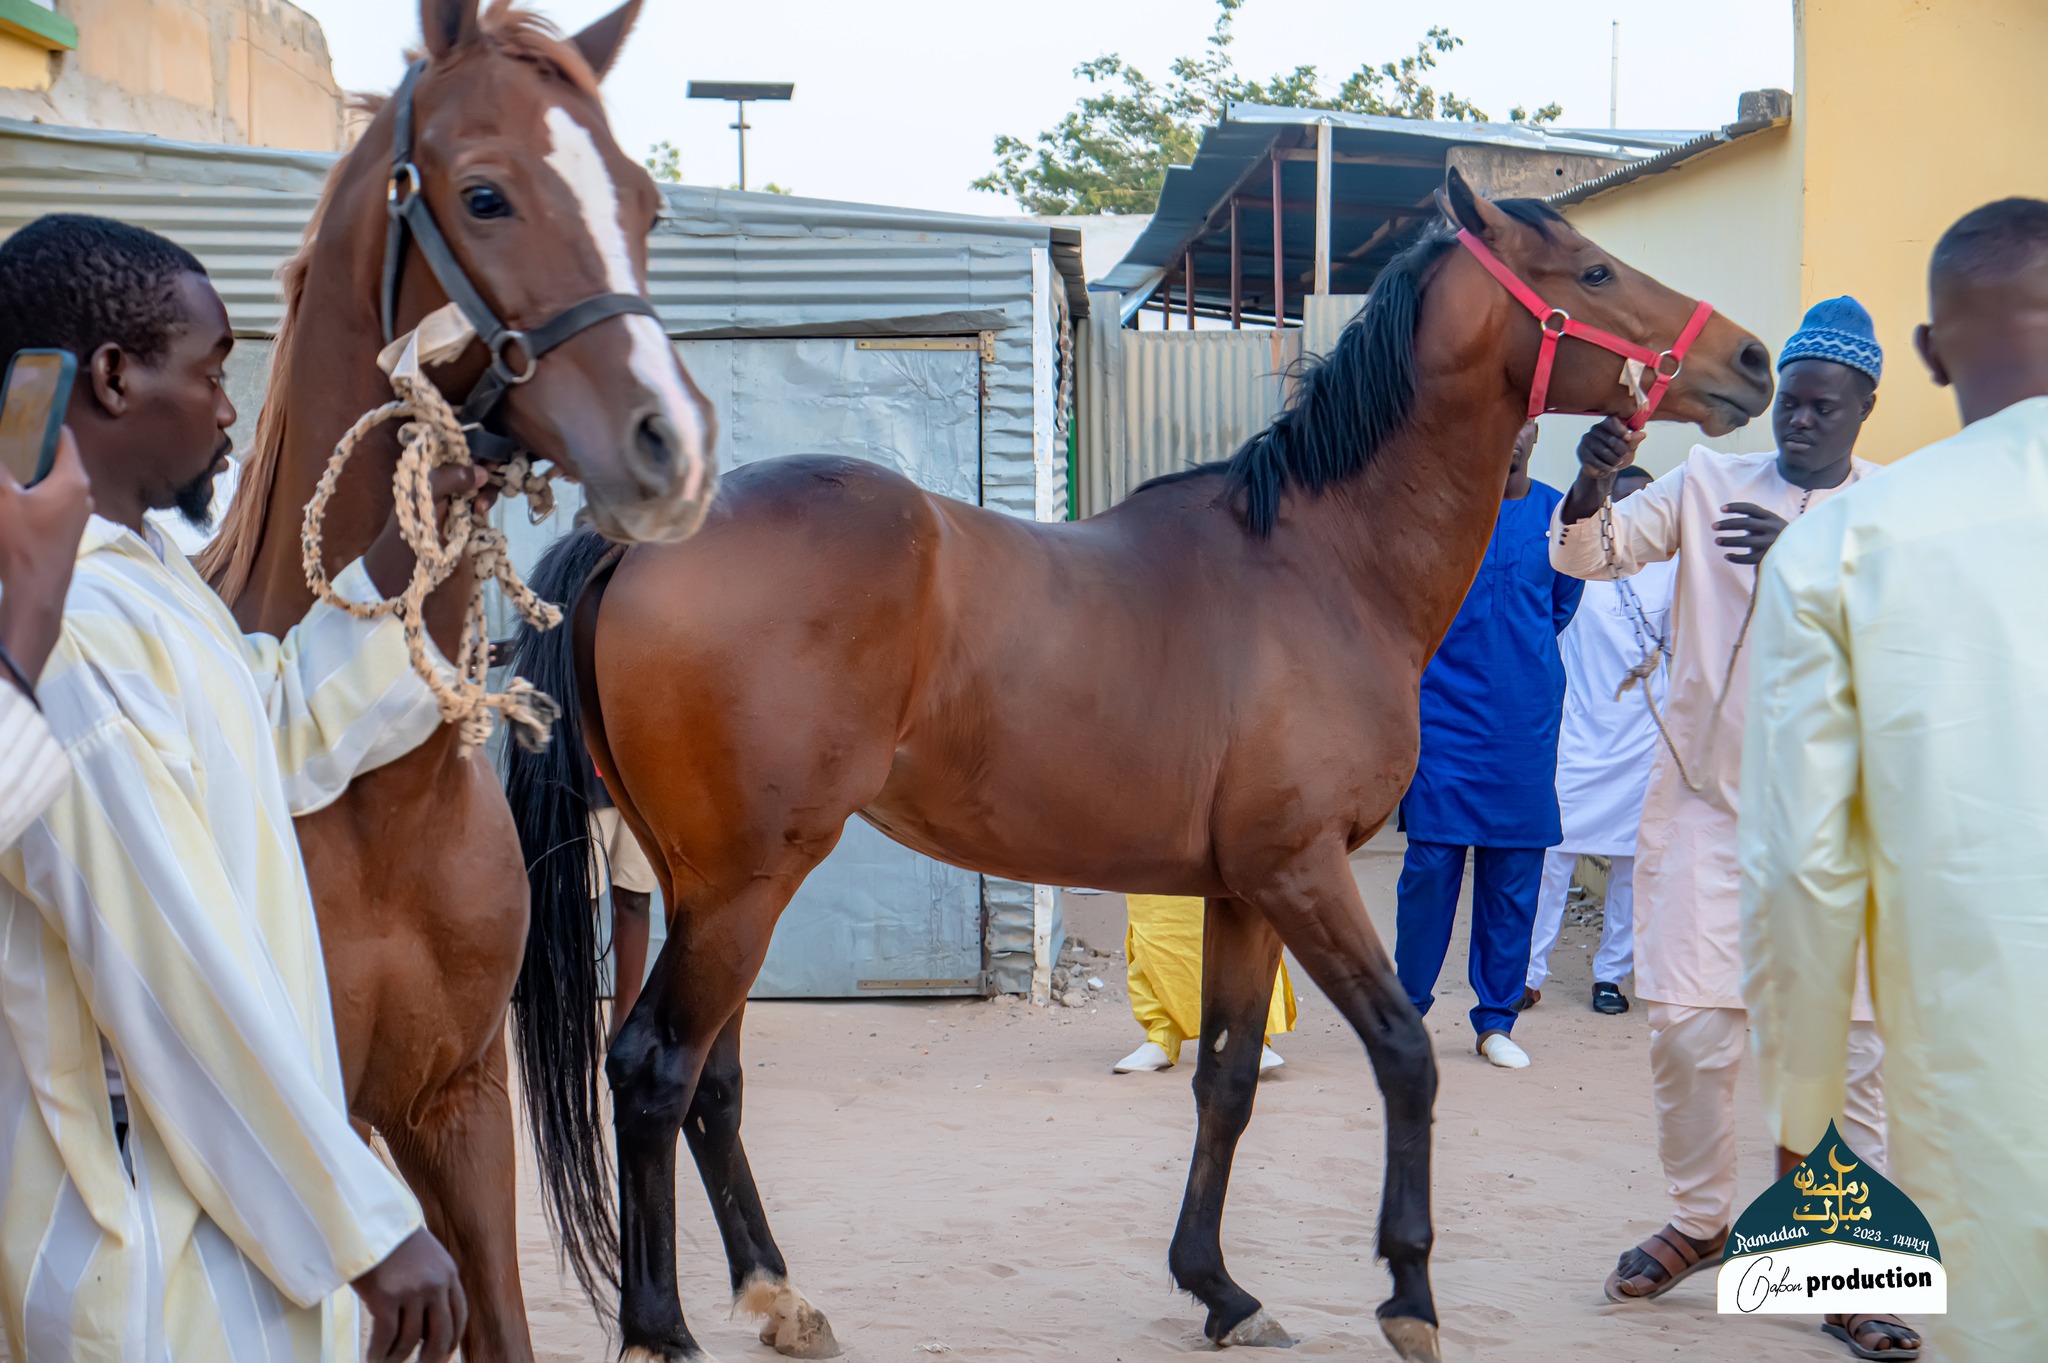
pixel 1837 329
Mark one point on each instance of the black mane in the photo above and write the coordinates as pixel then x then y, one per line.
pixel 1347 404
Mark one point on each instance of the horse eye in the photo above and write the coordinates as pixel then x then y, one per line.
pixel 1596 275
pixel 484 201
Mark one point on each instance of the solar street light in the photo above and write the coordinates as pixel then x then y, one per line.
pixel 742 93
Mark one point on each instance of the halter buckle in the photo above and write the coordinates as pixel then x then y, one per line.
pixel 1677 365
pixel 1559 316
pixel 404 186
pixel 503 341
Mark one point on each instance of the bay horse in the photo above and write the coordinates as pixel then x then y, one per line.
pixel 416 870
pixel 1209 689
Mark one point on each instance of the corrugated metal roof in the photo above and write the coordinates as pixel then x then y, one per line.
pixel 719 259
pixel 1669 159
pixel 1385 169
pixel 720 263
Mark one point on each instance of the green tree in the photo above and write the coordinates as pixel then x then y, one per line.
pixel 665 162
pixel 1111 151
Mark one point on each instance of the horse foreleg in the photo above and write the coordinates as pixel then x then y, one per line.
pixel 459 1158
pixel 1314 903
pixel 760 1278
pixel 1240 956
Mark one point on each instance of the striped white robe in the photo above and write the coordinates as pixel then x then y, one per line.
pixel 160 908
pixel 32 767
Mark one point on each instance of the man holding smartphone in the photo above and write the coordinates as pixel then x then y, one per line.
pixel 39 533
pixel 180 1180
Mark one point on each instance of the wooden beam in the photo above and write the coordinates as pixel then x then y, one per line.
pixel 1371 208
pixel 1367 159
pixel 1187 274
pixel 1279 253
pixel 1236 273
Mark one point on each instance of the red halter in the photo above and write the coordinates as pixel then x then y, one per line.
pixel 1556 323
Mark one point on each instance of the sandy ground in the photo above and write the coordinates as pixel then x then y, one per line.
pixel 968 1179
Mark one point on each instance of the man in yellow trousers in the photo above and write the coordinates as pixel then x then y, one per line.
pixel 1163 947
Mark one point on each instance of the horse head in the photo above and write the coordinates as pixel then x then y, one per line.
pixel 1718 382
pixel 513 157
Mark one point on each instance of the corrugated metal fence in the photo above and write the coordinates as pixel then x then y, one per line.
pixel 1152 402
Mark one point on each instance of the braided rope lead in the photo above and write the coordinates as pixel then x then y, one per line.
pixel 432 438
pixel 1657 652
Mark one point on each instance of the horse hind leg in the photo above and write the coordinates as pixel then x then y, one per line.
pixel 1314 904
pixel 458 1157
pixel 698 986
pixel 760 1278
pixel 1240 958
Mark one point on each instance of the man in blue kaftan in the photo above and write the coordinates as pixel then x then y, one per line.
pixel 1486 777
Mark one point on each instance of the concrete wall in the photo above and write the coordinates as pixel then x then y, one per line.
pixel 1912 114
pixel 244 72
pixel 1724 226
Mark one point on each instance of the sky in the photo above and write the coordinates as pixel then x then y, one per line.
pixel 898 101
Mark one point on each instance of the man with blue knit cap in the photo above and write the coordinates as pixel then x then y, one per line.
pixel 1724 511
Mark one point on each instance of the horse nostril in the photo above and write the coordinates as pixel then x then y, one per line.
pixel 654 439
pixel 1755 360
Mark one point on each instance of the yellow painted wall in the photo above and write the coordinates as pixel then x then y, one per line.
pixel 1913 112
pixel 23 64
pixel 1723 227
pixel 245 72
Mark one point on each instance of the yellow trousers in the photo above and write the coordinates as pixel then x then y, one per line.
pixel 1163 946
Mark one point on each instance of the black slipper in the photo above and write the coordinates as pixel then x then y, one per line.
pixel 1608 998
pixel 1530 998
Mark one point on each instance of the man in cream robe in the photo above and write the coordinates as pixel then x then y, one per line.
pixel 181 1181
pixel 1896 787
pixel 1723 511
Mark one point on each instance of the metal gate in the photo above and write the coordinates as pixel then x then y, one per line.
pixel 874 917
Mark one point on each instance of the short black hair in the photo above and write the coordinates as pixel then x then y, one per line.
pixel 1993 243
pixel 1634 471
pixel 74 282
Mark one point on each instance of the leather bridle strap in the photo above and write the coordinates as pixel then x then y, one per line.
pixel 1556 324
pixel 411 217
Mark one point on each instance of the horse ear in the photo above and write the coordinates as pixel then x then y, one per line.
pixel 600 43
pixel 447 24
pixel 1466 207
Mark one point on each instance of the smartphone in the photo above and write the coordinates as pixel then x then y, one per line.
pixel 32 411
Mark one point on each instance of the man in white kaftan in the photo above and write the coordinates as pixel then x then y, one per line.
pixel 1896 785
pixel 1605 747
pixel 181 1181
pixel 39 532
pixel 1723 511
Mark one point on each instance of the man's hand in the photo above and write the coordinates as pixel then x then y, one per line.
pixel 1787 1161
pixel 1605 450
pixel 389 561
pixel 39 530
pixel 416 1302
pixel 1753 531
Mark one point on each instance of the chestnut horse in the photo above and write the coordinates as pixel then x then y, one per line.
pixel 416 871
pixel 1209 689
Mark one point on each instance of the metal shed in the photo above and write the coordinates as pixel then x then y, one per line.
pixel 938 344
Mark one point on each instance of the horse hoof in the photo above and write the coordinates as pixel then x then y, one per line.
pixel 793 1327
pixel 1414 1340
pixel 1258 1331
pixel 634 1353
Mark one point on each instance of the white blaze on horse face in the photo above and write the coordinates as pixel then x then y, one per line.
pixel 574 156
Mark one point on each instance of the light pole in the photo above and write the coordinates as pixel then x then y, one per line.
pixel 741 93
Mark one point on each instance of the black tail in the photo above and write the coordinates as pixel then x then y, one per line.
pixel 555 1014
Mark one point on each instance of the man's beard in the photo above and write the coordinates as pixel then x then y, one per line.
pixel 194 501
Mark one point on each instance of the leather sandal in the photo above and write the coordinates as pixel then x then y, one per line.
pixel 1673 1252
pixel 1852 1330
